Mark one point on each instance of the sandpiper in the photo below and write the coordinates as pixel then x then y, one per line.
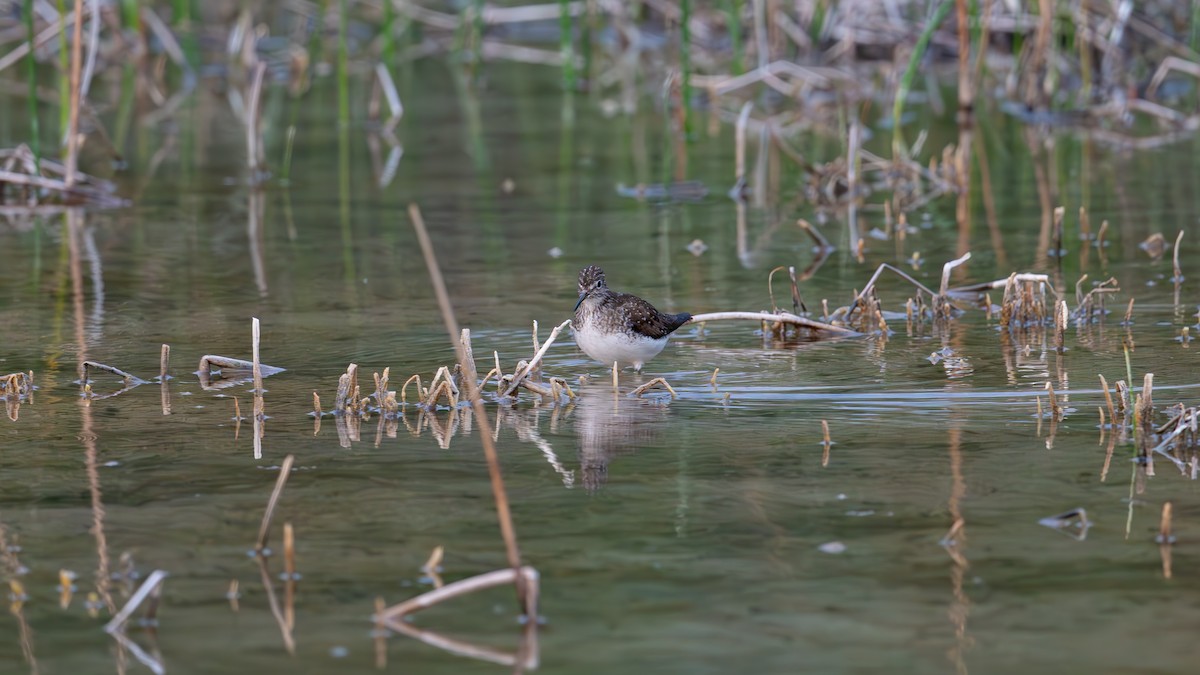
pixel 619 327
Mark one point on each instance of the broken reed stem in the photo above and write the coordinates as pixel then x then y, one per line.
pixel 254 337
pixel 1055 410
pixel 1108 400
pixel 1164 525
pixel 1129 312
pixel 435 559
pixel 316 404
pixel 89 365
pixel 654 383
pixel 1147 400
pixel 712 381
pixel 289 576
pixel 948 268
pixel 380 633
pixel 285 470
pixel 507 531
pixel 827 443
pixel 289 552
pixel 614 375
pixel 164 360
pixel 149 588
pixel 527 576
pixel 1178 278
pixel 537 358
pixel 237 410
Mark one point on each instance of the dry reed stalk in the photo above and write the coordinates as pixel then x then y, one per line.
pixel 432 567
pixel 656 382
pixel 149 590
pixel 285 470
pixel 254 144
pixel 1129 312
pixel 1056 412
pixel 1164 525
pixel 1100 409
pixel 614 376
pixel 316 404
pixel 528 575
pixel 522 373
pixel 739 154
pixel 255 335
pixel 1165 539
pixel 1143 411
pixel 382 394
pixel 826 443
pixel 237 410
pixel 712 381
pixel 507 531
pixel 232 595
pixel 257 421
pixel 1178 277
pixel 1108 400
pixel 1101 234
pixel 90 365
pixel 379 635
pixel 820 243
pixel 73 109
pixel 942 307
pixel 346 399
pixel 289 576
pixel 1060 326
pixel 404 389
pixel 164 361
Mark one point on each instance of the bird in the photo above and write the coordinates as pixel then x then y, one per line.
pixel 616 327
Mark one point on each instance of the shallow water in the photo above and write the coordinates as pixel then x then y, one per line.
pixel 684 535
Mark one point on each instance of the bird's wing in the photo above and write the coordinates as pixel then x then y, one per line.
pixel 641 317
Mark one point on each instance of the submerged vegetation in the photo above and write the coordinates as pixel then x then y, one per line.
pixel 823 101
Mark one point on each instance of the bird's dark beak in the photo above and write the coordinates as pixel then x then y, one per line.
pixel 582 297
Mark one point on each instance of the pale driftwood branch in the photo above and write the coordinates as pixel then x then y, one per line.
pixel 782 317
pixel 524 372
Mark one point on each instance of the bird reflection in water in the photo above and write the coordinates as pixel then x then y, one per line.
pixel 609 425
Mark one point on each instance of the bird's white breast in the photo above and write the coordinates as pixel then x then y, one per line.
pixel 619 346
